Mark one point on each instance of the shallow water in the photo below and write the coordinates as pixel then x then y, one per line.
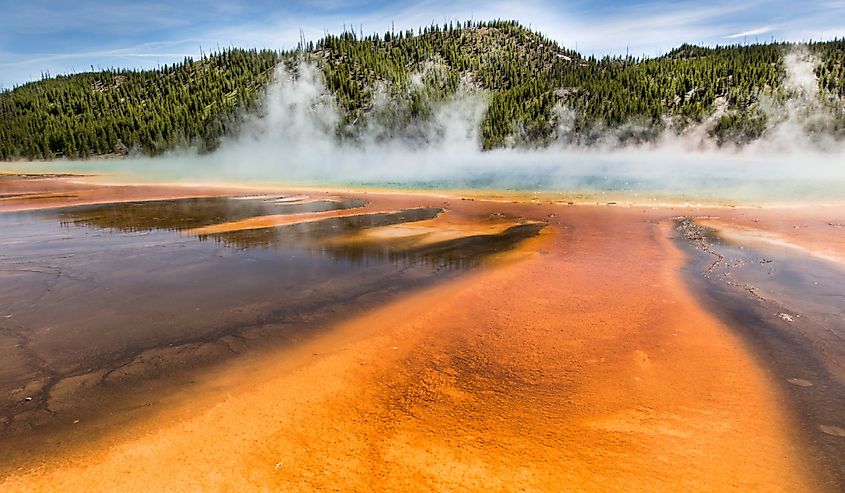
pixel 95 297
pixel 790 308
pixel 177 215
pixel 635 174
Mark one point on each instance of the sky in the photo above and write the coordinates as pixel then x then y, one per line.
pixel 68 36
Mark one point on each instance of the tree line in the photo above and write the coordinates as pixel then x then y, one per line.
pixel 529 80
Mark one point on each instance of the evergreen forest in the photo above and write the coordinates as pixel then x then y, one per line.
pixel 537 92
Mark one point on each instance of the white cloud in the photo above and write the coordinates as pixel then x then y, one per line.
pixel 753 32
pixel 649 28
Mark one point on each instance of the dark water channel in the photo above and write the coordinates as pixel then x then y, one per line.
pixel 97 298
pixel 790 309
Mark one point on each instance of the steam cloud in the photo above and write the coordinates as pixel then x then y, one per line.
pixel 295 142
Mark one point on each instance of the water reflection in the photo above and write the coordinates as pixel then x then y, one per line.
pixel 182 214
pixel 185 214
pixel 455 254
pixel 99 297
pixel 790 309
pixel 306 233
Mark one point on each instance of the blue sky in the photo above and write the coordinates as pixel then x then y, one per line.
pixel 69 36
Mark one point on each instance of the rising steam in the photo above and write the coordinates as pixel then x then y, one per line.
pixel 295 141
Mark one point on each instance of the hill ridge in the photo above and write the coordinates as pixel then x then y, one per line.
pixel 528 79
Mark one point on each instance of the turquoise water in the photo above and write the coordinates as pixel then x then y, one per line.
pixel 636 176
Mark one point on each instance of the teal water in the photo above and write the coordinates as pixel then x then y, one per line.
pixel 635 176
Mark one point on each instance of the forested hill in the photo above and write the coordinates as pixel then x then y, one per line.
pixel 537 92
